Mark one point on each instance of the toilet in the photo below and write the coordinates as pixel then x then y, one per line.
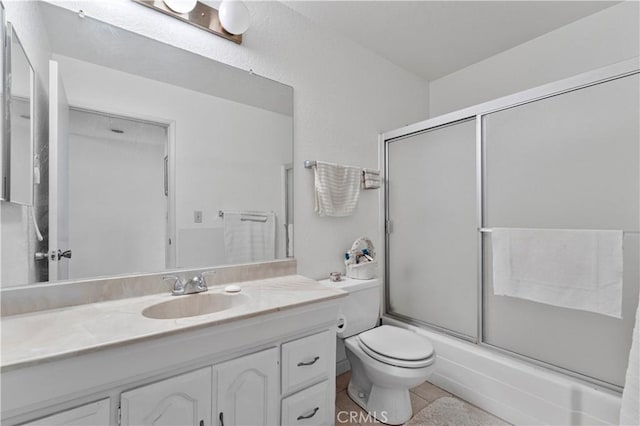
pixel 386 361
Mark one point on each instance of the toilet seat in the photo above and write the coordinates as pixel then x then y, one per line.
pixel 396 346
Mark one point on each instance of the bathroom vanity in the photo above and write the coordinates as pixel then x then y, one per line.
pixel 268 358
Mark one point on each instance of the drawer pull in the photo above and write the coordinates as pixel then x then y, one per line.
pixel 308 416
pixel 302 364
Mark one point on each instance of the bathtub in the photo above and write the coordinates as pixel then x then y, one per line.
pixel 519 392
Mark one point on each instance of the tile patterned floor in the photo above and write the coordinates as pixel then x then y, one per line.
pixel 449 410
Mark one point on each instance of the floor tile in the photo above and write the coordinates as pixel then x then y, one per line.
pixel 342 381
pixel 429 392
pixel 344 403
pixel 417 403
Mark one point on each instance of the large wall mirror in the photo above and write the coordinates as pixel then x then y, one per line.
pixel 159 158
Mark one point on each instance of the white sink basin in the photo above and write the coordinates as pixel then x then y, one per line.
pixel 194 305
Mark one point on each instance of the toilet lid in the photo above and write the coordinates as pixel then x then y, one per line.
pixel 421 363
pixel 397 343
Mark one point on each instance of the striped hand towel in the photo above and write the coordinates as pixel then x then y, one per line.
pixel 371 178
pixel 337 189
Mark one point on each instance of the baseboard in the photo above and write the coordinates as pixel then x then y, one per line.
pixel 342 367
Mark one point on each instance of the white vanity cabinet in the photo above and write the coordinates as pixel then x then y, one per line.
pixel 248 391
pixel 182 400
pixel 270 369
pixel 95 414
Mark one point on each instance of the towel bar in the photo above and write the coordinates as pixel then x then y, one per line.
pixel 256 214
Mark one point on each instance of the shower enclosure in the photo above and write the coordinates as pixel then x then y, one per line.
pixel 562 156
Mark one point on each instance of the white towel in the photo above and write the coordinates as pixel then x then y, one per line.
pixel 371 179
pixel 337 189
pixel 249 236
pixel 630 408
pixel 577 269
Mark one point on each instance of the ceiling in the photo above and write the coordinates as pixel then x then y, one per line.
pixel 435 38
pixel 107 127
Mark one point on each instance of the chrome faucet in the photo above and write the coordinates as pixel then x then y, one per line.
pixel 181 286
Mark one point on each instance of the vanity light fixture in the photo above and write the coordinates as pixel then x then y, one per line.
pixel 234 16
pixel 230 22
pixel 181 6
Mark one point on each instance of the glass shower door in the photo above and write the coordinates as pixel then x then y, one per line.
pixel 432 241
pixel 565 162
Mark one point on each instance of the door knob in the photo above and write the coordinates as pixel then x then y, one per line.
pixel 66 253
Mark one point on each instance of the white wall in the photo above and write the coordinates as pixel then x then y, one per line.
pixel 601 39
pixel 344 96
pixel 227 155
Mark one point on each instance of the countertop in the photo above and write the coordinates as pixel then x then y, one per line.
pixel 44 336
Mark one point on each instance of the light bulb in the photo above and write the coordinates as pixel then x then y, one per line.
pixel 234 17
pixel 181 6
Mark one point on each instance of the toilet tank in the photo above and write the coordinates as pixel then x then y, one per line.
pixel 360 310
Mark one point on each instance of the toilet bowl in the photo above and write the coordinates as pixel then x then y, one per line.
pixel 386 362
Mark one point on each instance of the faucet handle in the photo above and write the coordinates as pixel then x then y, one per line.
pixel 199 282
pixel 178 284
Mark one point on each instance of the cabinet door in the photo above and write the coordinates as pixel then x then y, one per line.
pixel 95 414
pixel 181 400
pixel 248 390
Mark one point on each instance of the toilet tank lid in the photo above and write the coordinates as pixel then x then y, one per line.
pixel 352 284
pixel 398 343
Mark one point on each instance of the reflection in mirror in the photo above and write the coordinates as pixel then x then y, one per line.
pixel 20 122
pixel 118 162
pixel 174 160
pixel 4 181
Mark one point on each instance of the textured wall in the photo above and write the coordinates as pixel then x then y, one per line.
pixel 603 38
pixel 344 95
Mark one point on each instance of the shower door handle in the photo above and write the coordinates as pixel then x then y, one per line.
pixel 166 175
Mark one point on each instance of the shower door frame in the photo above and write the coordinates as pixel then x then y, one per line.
pixel 477 112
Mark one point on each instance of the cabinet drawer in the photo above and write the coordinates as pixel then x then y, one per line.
pixel 306 361
pixel 312 406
